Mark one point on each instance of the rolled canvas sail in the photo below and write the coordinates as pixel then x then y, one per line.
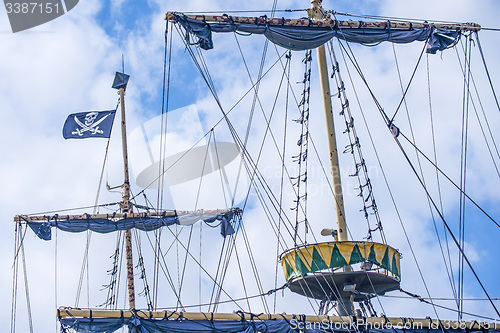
pixel 305 37
pixel 102 223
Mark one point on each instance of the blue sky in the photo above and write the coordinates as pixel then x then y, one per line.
pixel 68 65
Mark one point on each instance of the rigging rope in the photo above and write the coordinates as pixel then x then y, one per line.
pixel 164 266
pixel 160 257
pixel 485 118
pixel 112 295
pixel 449 270
pixel 253 170
pixel 282 175
pixel 390 127
pixel 354 148
pixel 254 265
pixel 50 213
pixel 26 288
pixel 450 278
pixel 268 120
pixel 225 186
pixel 463 170
pixel 85 261
pixel 162 153
pixel 225 114
pixel 487 71
pixel 425 300
pixel 250 11
pixel 409 82
pixel 390 18
pixel 350 54
pixel 389 123
pixel 301 158
pixel 446 224
pixel 55 277
pixel 140 264
pixel 212 88
pixel 15 277
pixel 185 264
pixel 242 277
pixel 257 176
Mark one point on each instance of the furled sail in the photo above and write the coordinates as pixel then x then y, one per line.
pixel 303 34
pixel 189 322
pixel 137 324
pixel 105 223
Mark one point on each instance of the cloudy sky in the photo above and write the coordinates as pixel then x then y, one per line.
pixel 68 65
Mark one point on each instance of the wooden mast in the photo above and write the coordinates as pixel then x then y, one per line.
pixel 316 13
pixel 126 206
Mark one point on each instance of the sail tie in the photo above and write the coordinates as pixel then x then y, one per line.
pixel 387 323
pixel 88 220
pixel 231 21
pixel 242 315
pixel 362 307
pixel 263 19
pixel 251 322
pixel 334 24
pixel 370 308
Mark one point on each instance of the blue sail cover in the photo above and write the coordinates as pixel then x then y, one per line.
pixel 146 223
pixel 143 325
pixel 308 37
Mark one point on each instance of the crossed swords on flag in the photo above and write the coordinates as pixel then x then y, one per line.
pixel 92 128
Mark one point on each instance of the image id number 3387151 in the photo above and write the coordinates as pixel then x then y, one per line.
pixel 32 7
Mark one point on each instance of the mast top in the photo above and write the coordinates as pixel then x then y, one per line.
pixel 121 80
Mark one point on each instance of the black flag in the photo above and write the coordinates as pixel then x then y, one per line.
pixel 93 124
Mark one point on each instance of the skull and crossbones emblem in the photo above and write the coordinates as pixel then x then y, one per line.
pixel 89 125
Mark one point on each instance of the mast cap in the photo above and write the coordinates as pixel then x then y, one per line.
pixel 121 80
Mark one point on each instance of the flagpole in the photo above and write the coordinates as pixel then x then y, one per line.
pixel 126 206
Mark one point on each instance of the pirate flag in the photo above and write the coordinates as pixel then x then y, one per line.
pixel 94 124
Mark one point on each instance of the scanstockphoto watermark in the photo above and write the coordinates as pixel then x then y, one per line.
pixel 275 171
pixel 318 181
pixel 328 325
pixel 26 14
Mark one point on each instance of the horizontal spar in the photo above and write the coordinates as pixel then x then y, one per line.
pixel 65 312
pixel 148 221
pixel 263 20
pixel 33 218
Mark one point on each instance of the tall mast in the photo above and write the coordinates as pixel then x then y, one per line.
pixel 316 12
pixel 125 204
